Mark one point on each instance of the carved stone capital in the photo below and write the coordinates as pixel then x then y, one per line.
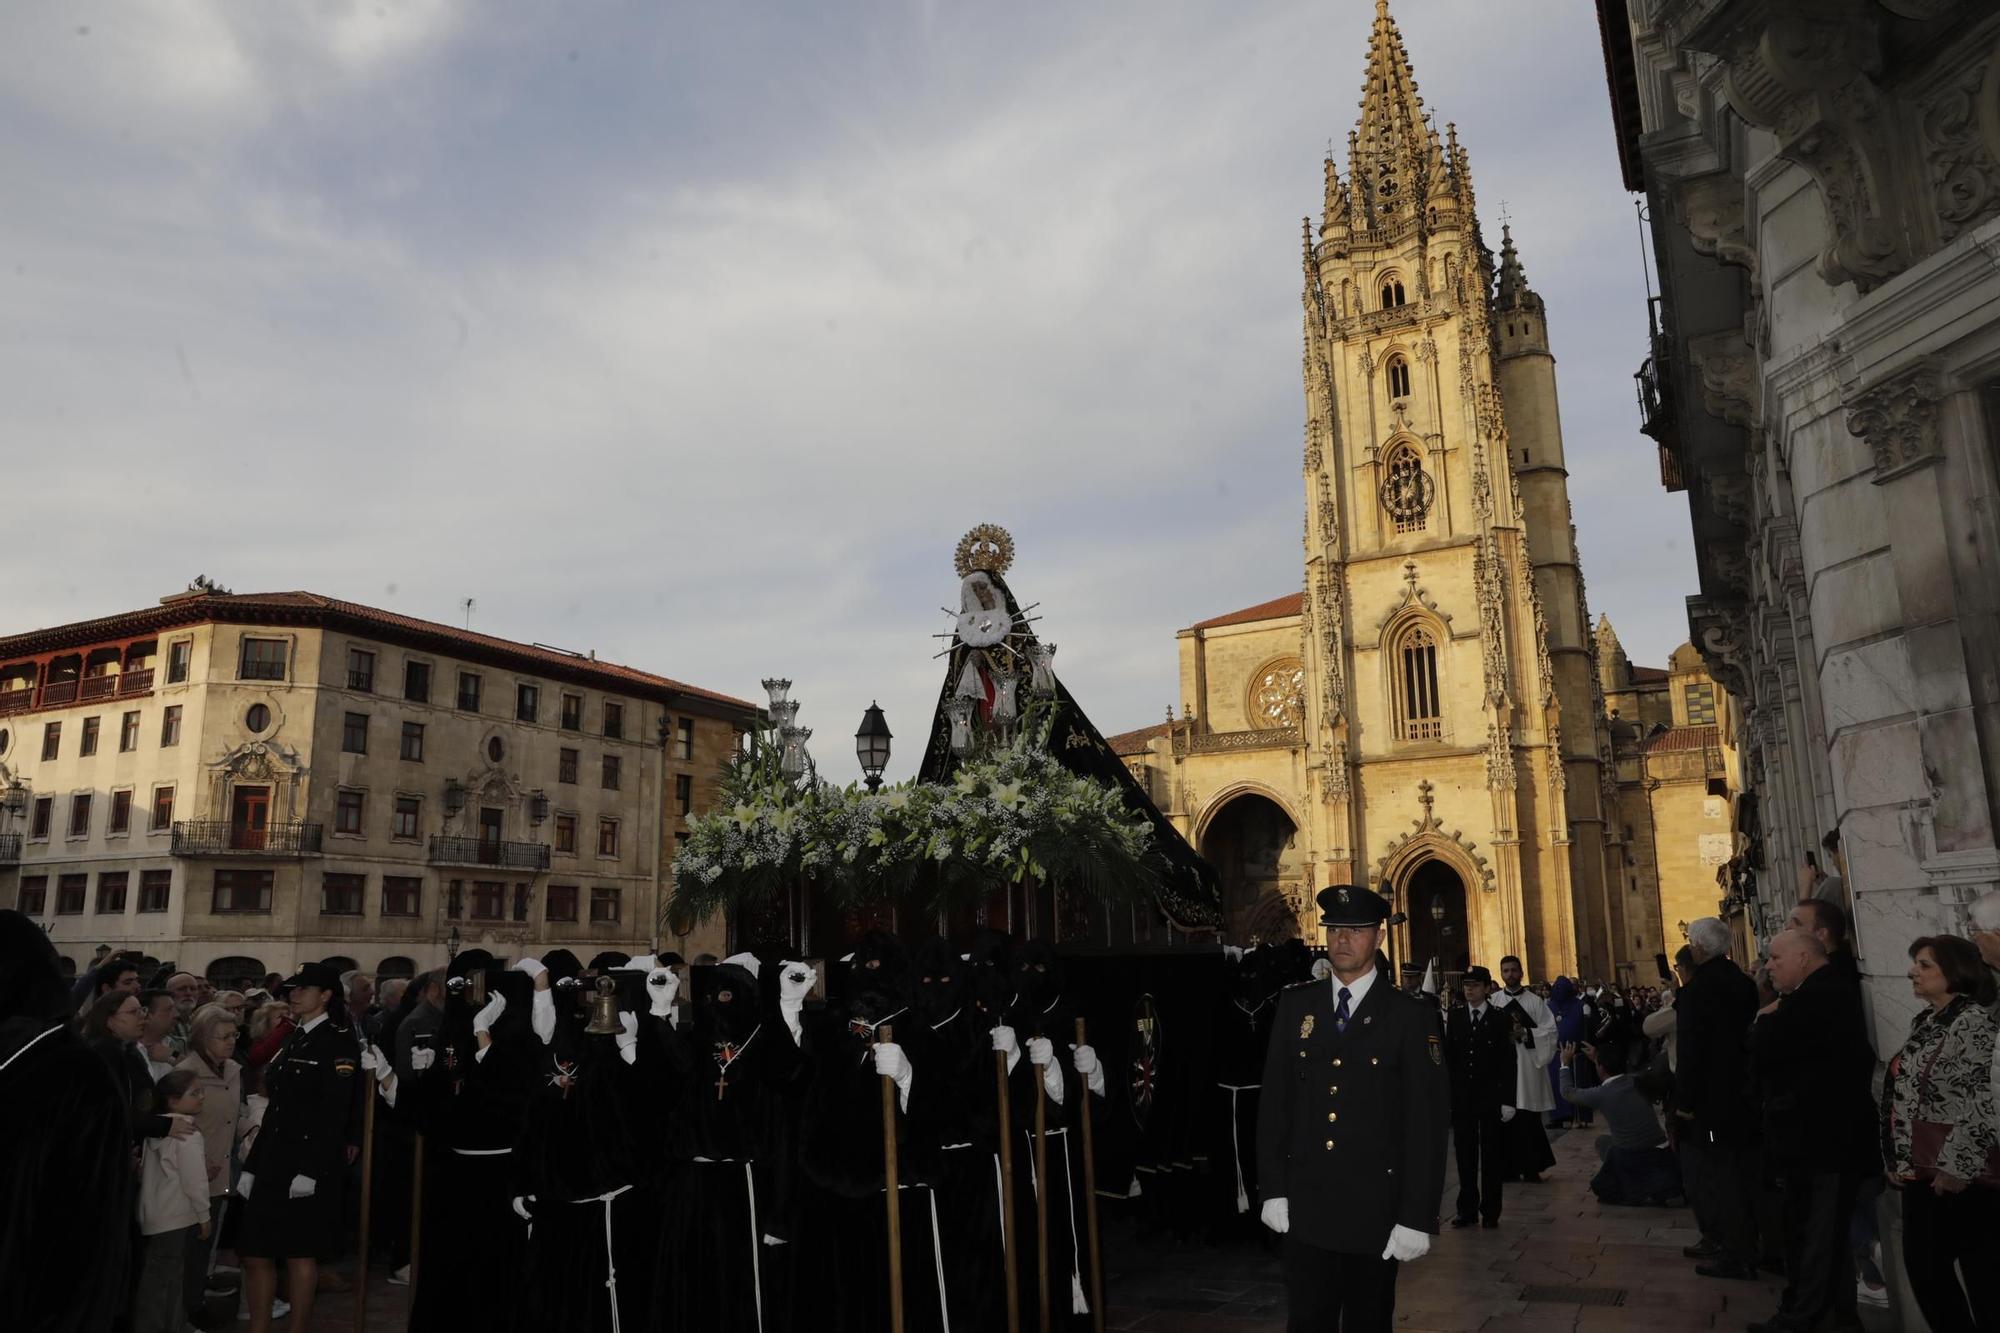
pixel 1728 370
pixel 1899 419
pixel 1720 631
pixel 1711 207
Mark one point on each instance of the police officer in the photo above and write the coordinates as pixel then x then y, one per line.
pixel 1479 1053
pixel 1351 1128
pixel 311 1131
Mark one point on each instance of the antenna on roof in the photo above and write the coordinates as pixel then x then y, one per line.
pixel 468 604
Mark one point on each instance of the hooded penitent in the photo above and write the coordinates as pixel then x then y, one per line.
pixel 940 982
pixel 992 976
pixel 1038 985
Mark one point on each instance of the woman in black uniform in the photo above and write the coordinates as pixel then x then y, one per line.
pixel 291 1183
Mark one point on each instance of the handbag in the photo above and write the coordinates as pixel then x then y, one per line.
pixel 1927 1138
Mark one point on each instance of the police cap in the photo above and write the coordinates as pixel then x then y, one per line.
pixel 1347 905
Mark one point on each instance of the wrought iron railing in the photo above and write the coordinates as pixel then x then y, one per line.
pixel 128 684
pixel 10 849
pixel 216 837
pixel 1655 384
pixel 488 852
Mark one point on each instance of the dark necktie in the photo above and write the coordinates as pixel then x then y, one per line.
pixel 1340 1014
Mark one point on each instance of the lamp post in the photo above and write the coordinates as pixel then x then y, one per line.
pixel 871 745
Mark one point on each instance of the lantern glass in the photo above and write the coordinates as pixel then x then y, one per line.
pixel 871 741
pixel 778 688
pixel 1437 908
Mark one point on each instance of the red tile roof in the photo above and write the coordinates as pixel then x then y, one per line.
pixel 1683 738
pixel 1275 609
pixel 311 608
pixel 1649 675
pixel 1135 742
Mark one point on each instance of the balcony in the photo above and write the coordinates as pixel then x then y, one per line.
pixel 90 689
pixel 10 849
pixel 216 837
pixel 1654 381
pixel 488 852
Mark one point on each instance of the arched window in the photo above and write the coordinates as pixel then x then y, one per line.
pixel 1392 292
pixel 235 971
pixel 395 965
pixel 1399 376
pixel 1406 489
pixel 1419 704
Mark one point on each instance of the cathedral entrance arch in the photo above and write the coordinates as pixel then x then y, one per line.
pixel 1252 843
pixel 1438 922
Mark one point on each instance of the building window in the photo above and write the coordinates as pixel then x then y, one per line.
pixel 242 891
pixel 413 742
pixel 361 670
pixel 163 809
pixel 1392 293
pixel 262 659
pixel 1419 705
pixel 684 739
pixel 603 905
pixel 88 746
pixel 45 807
pixel 340 895
pixel 128 733
pixel 1399 377
pixel 409 809
pixel 454 899
pixel 402 895
pixel 680 844
pixel 527 703
pixel 155 888
pixel 111 893
pixel 121 811
pixel 684 793
pixel 347 811
pixel 180 655
pixel 257 719
pixel 566 766
pixel 489 900
pixel 495 749
pixel 572 712
pixel 354 733
pixel 609 780
pixel 614 720
pixel 607 837
pixel 566 834
pixel 417 682
pixel 170 727
pixel 34 895
pixel 69 894
pixel 468 691
pixel 561 904
pixel 79 815
pixel 521 902
pixel 1700 705
pixel 51 739
pixel 1406 489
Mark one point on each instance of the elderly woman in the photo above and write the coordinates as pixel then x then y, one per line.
pixel 211 1059
pixel 1938 1136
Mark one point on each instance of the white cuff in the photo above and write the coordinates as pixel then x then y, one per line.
pixel 1052 1082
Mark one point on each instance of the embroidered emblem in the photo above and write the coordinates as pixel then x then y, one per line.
pixel 1437 1050
pixel 1306 1028
pixel 343 1067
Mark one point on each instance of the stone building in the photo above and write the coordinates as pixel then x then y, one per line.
pixel 1424 717
pixel 1823 182
pixel 240 783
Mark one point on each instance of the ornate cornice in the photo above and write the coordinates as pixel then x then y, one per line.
pixel 1899 419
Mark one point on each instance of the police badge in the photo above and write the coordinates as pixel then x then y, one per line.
pixel 1437 1050
pixel 1306 1028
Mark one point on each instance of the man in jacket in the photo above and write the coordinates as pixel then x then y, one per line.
pixel 1479 1051
pixel 1351 1127
pixel 1812 1060
pixel 1717 1123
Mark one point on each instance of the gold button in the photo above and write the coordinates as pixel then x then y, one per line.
pixel 1374 1060
pixel 1329 1145
pixel 1332 1090
pixel 1336 1062
pixel 1332 1116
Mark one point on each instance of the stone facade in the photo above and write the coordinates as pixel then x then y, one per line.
pixel 286 777
pixel 1425 716
pixel 1825 212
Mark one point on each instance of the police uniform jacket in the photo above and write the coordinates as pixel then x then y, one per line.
pixel 315 1087
pixel 1480 1057
pixel 1351 1128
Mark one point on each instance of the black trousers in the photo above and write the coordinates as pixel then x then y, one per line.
pixel 1481 1143
pixel 1819 1263
pixel 1723 1178
pixel 1944 1235
pixel 1330 1292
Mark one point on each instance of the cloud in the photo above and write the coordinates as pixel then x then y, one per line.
pixel 698 334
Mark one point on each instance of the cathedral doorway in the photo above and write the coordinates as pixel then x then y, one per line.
pixel 1437 926
pixel 1251 842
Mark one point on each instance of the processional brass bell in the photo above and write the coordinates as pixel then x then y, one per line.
pixel 604 1010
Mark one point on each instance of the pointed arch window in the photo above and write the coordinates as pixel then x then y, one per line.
pixel 1398 370
pixel 1419 702
pixel 1406 489
pixel 1392 292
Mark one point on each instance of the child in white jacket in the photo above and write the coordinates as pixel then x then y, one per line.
pixel 173 1209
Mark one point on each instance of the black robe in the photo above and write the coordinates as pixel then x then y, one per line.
pixel 1069 1258
pixel 954 1145
pixel 66 1183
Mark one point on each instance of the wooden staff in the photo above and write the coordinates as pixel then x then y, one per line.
pixel 1007 1197
pixel 887 1034
pixel 416 1210
pixel 1042 1192
pixel 367 1195
pixel 1090 1202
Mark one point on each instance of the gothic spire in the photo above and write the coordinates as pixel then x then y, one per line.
pixel 1515 293
pixel 1391 151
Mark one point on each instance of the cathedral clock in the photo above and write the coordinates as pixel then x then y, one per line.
pixel 1408 490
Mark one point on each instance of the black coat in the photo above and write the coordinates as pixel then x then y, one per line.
pixel 1352 1126
pixel 314 1117
pixel 1712 1082
pixel 1481 1060
pixel 134 1081
pixel 1813 1064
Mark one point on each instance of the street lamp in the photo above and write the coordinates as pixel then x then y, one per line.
pixel 871 745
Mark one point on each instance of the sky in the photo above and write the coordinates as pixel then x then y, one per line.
pixel 697 334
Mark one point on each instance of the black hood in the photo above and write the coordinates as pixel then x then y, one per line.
pixel 728 1004
pixel 990 973
pixel 31 984
pixel 879 963
pixel 940 982
pixel 1037 979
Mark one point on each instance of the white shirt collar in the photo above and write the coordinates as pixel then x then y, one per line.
pixel 313 1022
pixel 1357 989
pixel 1480 1008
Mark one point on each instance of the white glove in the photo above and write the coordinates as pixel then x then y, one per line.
pixel 1041 1051
pixel 243 1184
pixel 521 1207
pixel 1003 1040
pixel 302 1187
pixel 422 1058
pixel 662 985
pixel 542 1018
pixel 1278 1215
pixel 891 1063
pixel 532 969
pixel 1406 1243
pixel 372 1061
pixel 794 980
pixel 1506 1114
pixel 483 1021
pixel 628 1036
pixel 1087 1064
